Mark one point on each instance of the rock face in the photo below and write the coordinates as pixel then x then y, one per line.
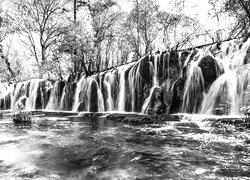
pixel 94 97
pixel 177 98
pixel 247 57
pixel 43 94
pixel 69 95
pixel 156 105
pixel 210 70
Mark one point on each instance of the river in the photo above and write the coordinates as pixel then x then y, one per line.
pixel 59 146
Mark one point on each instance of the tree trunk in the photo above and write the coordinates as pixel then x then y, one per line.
pixel 12 73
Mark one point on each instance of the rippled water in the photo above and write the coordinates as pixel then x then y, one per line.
pixel 56 147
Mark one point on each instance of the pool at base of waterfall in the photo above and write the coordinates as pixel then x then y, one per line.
pixel 63 146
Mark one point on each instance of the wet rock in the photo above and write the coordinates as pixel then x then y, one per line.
pixel 174 66
pixel 169 117
pixel 193 56
pixel 82 106
pixel 136 119
pixel 210 70
pixel 156 104
pixel 142 118
pixel 22 118
pixel 238 122
pixel 91 114
pixel 94 97
pixel 41 113
pixel 29 172
pixel 132 118
pixel 144 69
pixel 43 94
pixel 142 81
pixel 68 100
pixel 247 57
pixel 177 99
pixel 183 57
pixel 21 103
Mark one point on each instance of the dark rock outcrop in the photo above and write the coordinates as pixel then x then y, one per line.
pixel 94 97
pixel 156 104
pixel 210 70
pixel 68 100
pixel 177 98
pixel 43 94
pixel 247 57
pixel 142 119
pixel 183 57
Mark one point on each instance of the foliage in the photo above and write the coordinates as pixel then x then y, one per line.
pixel 94 36
pixel 141 27
pixel 240 9
pixel 104 20
pixel 41 25
pixel 237 9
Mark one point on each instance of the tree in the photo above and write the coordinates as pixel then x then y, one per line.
pixel 7 70
pixel 41 23
pixel 141 27
pixel 167 21
pixel 104 20
pixel 240 9
pixel 79 46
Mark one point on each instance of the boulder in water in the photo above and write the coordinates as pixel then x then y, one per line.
pixel 156 104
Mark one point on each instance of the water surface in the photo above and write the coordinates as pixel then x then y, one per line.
pixel 56 147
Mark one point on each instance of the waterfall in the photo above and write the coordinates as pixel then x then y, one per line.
pixel 54 99
pixel 83 95
pixel 210 79
pixel 61 106
pixel 155 74
pixel 227 90
pixel 3 90
pixel 194 88
pixel 31 101
pixel 147 100
pixel 16 94
pixel 108 80
pixel 154 67
pixel 6 92
pixel 82 92
pixel 101 107
pixel 122 87
pixel 223 91
pixel 133 77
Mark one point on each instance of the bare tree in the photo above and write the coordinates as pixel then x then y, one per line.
pixel 167 22
pixel 240 9
pixel 141 27
pixel 5 30
pixel 40 21
pixel 104 20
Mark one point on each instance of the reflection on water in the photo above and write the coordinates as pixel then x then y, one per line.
pixel 98 148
